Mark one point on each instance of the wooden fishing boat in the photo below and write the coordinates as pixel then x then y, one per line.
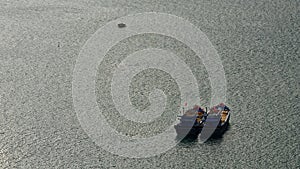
pixel 212 123
pixel 190 124
pixel 216 124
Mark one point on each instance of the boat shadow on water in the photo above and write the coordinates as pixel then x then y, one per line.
pixel 215 138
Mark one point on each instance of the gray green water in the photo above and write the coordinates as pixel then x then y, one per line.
pixel 258 43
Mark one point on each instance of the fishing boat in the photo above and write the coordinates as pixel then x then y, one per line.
pixel 216 123
pixel 212 123
pixel 190 124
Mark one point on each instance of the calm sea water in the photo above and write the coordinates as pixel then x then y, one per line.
pixel 257 41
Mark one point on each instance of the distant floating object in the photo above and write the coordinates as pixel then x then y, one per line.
pixel 121 25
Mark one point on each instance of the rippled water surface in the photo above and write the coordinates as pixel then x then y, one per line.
pixel 258 43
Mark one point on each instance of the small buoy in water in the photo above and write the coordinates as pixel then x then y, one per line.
pixel 121 25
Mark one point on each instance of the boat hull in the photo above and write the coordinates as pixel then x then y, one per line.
pixel 183 131
pixel 194 131
pixel 221 129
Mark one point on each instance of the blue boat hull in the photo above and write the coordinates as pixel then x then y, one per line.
pixel 195 130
